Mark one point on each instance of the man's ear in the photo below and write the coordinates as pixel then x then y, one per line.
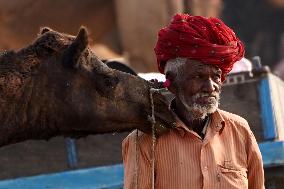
pixel 171 76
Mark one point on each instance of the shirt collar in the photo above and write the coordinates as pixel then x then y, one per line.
pixel 218 121
pixel 182 128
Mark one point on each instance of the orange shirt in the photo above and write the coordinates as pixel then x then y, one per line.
pixel 228 157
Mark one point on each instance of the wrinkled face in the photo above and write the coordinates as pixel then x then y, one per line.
pixel 198 88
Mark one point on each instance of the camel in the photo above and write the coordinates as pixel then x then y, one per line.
pixel 56 86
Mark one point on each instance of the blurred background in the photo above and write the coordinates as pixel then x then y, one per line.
pixel 128 28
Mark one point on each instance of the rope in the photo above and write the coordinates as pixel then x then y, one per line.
pixel 137 159
pixel 153 122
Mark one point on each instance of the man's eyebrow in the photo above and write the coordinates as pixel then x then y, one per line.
pixel 218 71
pixel 200 68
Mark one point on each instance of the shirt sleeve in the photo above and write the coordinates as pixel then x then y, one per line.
pixel 255 164
pixel 137 166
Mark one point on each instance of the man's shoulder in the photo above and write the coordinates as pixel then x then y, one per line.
pixel 234 119
pixel 136 136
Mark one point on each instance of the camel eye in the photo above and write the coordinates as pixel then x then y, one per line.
pixel 49 50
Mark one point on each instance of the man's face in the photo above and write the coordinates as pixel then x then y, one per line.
pixel 198 88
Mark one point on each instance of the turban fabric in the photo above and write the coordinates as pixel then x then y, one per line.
pixel 207 40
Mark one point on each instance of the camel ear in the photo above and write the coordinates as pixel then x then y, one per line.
pixel 75 49
pixel 82 38
pixel 44 30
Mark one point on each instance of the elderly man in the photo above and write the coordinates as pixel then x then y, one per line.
pixel 209 148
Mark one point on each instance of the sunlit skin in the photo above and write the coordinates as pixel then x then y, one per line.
pixel 197 91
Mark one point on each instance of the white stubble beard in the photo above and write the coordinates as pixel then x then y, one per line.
pixel 198 111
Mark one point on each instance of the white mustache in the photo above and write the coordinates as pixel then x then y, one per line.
pixel 200 95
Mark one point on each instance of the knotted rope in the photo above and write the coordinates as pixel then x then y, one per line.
pixel 153 122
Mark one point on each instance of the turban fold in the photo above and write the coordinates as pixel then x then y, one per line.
pixel 207 40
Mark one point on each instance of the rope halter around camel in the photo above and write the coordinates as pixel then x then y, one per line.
pixel 152 119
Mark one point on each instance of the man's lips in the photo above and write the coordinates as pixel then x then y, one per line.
pixel 206 99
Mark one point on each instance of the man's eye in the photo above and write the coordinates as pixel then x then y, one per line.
pixel 196 77
pixel 217 77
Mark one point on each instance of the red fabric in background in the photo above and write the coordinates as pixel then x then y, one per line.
pixel 207 40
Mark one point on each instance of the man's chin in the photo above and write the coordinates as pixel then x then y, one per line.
pixel 212 110
pixel 204 110
pixel 200 110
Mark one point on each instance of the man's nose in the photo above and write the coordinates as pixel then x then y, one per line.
pixel 209 86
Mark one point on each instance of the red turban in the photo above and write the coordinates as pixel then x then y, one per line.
pixel 207 40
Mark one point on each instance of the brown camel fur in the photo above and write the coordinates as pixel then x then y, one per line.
pixel 57 86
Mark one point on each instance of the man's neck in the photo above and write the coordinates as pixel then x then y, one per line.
pixel 196 124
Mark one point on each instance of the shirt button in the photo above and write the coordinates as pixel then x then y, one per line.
pixel 205 168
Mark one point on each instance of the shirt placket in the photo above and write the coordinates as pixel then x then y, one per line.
pixel 206 156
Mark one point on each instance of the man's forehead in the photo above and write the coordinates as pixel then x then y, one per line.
pixel 195 65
